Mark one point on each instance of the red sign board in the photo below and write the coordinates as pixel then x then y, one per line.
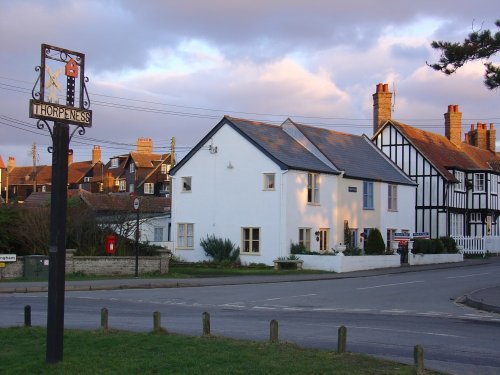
pixel 110 243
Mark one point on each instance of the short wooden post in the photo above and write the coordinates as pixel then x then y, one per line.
pixel 104 318
pixel 418 357
pixel 27 316
pixel 206 324
pixel 342 340
pixel 156 321
pixel 273 331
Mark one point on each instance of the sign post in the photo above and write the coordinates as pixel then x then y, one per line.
pixel 137 203
pixel 46 107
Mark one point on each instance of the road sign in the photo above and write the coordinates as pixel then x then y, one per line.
pixel 136 203
pixel 8 258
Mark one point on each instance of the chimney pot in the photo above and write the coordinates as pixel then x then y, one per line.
pixel 379 87
pixel 386 87
pixel 492 126
pixel 455 108
pixel 451 108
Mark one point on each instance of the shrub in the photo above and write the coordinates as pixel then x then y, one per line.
pixel 375 243
pixel 220 249
pixel 425 246
pixel 297 248
pixel 450 244
pixel 437 246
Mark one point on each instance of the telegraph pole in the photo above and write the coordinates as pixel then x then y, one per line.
pixel 48 109
pixel 33 154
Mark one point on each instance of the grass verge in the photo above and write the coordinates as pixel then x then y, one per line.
pixel 22 351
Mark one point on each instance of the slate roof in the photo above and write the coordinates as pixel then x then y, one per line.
pixel 444 155
pixel 355 155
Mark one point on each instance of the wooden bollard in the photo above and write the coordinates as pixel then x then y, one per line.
pixel 273 331
pixel 206 324
pixel 104 318
pixel 342 340
pixel 27 316
pixel 418 357
pixel 156 321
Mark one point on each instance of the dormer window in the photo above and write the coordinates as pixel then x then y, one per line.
pixel 132 167
pixel 114 163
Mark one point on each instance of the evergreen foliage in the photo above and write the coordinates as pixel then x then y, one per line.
pixel 375 243
pixel 220 249
pixel 478 45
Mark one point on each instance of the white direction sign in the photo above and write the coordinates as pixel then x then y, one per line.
pixel 8 258
pixel 136 203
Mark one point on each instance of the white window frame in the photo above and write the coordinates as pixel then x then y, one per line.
pixel 392 197
pixel 149 188
pixel 460 176
pixel 248 241
pixel 305 238
pixel 115 162
pixel 87 179
pixel 186 184
pixel 479 182
pixel 131 167
pixel 475 217
pixel 269 181
pixel 456 224
pixel 494 184
pixel 313 183
pixel 163 169
pixel 368 195
pixel 122 185
pixel 158 234
pixel 185 236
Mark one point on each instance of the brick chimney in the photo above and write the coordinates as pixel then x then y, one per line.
pixel 453 124
pixel 11 164
pixel 145 145
pixel 382 103
pixel 491 138
pixel 96 155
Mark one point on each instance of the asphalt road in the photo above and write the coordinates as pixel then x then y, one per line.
pixel 385 315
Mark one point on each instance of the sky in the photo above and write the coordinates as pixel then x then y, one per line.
pixel 160 69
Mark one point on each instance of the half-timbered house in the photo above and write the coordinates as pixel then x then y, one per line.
pixel 457 191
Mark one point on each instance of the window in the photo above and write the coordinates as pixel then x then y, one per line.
pixel 132 167
pixel 131 188
pixel 367 195
pixel 149 188
pixel 461 180
pixel 122 185
pixel 163 169
pixel 354 237
pixel 479 182
pixel 269 181
pixel 158 234
pixel 185 236
pixel 392 198
pixel 475 217
pixel 115 163
pixel 366 233
pixel 456 224
pixel 494 184
pixel 86 179
pixel 313 188
pixel 250 238
pixel 186 183
pixel 390 237
pixel 324 239
pixel 305 238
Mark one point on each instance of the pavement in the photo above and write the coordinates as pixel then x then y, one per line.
pixel 487 299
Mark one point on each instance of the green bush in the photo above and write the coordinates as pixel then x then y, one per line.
pixel 297 248
pixel 425 246
pixel 450 244
pixel 220 249
pixel 375 244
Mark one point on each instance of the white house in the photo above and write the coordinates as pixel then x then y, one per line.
pixel 265 187
pixel 458 180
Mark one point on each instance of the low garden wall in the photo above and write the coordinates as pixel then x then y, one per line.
pixel 419 259
pixel 340 263
pixel 99 265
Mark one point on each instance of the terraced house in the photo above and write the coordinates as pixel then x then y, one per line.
pixel 265 187
pixel 458 179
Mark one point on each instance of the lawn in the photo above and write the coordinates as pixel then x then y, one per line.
pixel 22 351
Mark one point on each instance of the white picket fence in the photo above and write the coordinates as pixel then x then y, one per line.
pixel 479 245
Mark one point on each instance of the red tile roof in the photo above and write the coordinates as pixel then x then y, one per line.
pixel 445 155
pixel 2 165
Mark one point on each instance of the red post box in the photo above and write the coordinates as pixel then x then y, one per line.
pixel 110 243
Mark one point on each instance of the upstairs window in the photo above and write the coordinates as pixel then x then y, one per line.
pixel 132 167
pixel 367 195
pixel 269 179
pixel 460 186
pixel 122 185
pixel 392 198
pixel 149 188
pixel 313 188
pixel 186 184
pixel 494 184
pixel 114 163
pixel 479 182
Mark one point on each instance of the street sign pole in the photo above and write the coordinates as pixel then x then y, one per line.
pixel 57 244
pixel 136 208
